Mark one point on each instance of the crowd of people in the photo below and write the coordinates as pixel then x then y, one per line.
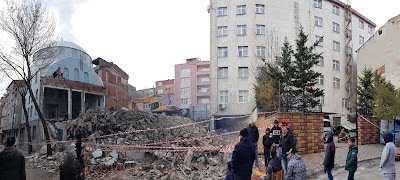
pixel 280 154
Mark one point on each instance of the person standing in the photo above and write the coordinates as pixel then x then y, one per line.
pixel 296 167
pixel 275 164
pixel 12 162
pixel 351 160
pixel 267 143
pixel 254 135
pixel 276 137
pixel 329 161
pixel 243 157
pixel 387 165
pixel 287 144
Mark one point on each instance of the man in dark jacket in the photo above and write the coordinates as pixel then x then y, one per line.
pixel 287 144
pixel 275 163
pixel 329 161
pixel 243 157
pixel 12 162
pixel 351 160
pixel 276 136
pixel 254 135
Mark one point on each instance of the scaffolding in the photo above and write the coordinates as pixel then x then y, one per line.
pixel 349 54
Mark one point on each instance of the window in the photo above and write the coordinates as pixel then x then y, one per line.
pixel 146 105
pixel 241 30
pixel 205 101
pixel 30 113
pixel 318 3
pixel 260 30
pixel 336 46
pixel 241 10
pixel 160 83
pixel 370 29
pixel 76 74
pixel 345 104
pixel 185 90
pixel 185 80
pixel 320 80
pixel 222 11
pixel 243 51
pixel 86 77
pixel 336 82
pixel 260 9
pixel 320 61
pixel 223 72
pixel 361 40
pixel 222 30
pixel 243 72
pixel 223 97
pixel 318 21
pixel 260 51
pixel 185 101
pixel 336 27
pixel 320 40
pixel 160 91
pixel 322 100
pixel 36 77
pixel 204 89
pixel 222 51
pixel 183 71
pixel 243 96
pixel 336 10
pixel 204 79
pixel 361 24
pixel 65 73
pixel 336 65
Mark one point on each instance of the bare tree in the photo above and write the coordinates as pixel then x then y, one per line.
pixel 23 90
pixel 30 30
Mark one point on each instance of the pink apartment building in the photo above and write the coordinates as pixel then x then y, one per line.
pixel 192 83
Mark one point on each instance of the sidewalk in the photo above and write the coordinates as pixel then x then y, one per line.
pixel 365 152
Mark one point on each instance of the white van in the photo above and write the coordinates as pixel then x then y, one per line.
pixel 327 125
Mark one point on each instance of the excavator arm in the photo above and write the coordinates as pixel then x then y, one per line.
pixel 154 103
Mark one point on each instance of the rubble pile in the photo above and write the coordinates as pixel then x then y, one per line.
pixel 104 159
pixel 47 163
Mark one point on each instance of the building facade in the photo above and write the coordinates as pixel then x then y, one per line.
pixel 165 87
pixel 245 32
pixel 2 104
pixel 12 110
pixel 192 85
pixel 382 52
pixel 66 87
pixel 115 82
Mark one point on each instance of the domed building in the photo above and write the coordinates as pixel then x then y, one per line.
pixel 65 85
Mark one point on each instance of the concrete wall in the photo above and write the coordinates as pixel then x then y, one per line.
pixel 280 20
pixel 307 126
pixel 382 49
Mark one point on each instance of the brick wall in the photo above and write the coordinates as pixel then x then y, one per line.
pixel 308 128
pixel 368 133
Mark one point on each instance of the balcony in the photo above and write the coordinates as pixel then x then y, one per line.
pixel 203 83
pixel 203 73
pixel 199 93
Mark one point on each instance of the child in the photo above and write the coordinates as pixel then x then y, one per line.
pixel 267 142
pixel 351 160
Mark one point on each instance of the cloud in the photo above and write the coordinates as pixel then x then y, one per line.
pixel 64 9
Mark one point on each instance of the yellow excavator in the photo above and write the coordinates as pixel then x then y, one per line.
pixel 156 106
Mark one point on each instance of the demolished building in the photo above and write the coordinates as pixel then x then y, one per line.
pixel 66 87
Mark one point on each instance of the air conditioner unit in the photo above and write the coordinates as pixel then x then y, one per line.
pixel 222 106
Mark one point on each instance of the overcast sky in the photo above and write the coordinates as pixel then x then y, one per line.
pixel 146 38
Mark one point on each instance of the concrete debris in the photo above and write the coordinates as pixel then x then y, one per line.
pixel 104 157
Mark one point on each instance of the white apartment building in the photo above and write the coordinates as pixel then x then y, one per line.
pixel 243 32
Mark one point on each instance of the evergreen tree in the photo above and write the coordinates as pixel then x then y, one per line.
pixel 365 92
pixel 304 78
pixel 266 89
pixel 386 98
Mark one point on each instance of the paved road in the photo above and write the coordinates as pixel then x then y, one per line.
pixel 366 170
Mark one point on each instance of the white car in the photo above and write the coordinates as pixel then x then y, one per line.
pixel 327 125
